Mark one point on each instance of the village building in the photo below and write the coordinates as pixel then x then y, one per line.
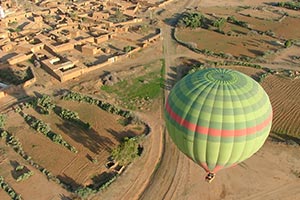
pixel 59 33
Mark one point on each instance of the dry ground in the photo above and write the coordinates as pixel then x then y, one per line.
pixel 33 188
pixel 286 56
pixel 95 143
pixel 284 94
pixel 267 175
pixel 250 46
pixel 244 42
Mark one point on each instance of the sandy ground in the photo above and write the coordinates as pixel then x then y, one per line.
pixel 267 175
pixel 284 95
pixel 35 187
pixel 233 3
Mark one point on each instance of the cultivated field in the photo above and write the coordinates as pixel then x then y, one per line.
pixel 284 94
pixel 258 31
pixel 94 146
pixel 32 188
pixel 250 46
pixel 163 172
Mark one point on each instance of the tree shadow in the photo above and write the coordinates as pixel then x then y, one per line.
pixel 16 173
pixel 21 26
pixel 273 43
pixel 178 72
pixel 69 182
pixel 12 85
pixel 58 109
pixel 171 78
pixel 256 52
pixel 7 56
pixel 119 136
pixel 60 92
pixel 256 76
pixel 89 157
pixel 172 21
pixel 240 32
pixel 101 179
pixel 64 197
pixel 90 138
pixel 271 3
pixel 284 138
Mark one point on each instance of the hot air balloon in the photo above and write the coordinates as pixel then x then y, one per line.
pixel 218 118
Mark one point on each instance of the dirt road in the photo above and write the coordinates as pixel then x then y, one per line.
pixel 261 177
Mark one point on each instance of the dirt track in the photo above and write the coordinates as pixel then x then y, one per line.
pixel 267 175
pixel 180 178
pixel 264 176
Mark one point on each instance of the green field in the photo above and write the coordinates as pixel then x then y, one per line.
pixel 143 88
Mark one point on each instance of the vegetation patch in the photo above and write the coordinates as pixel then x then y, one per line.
pixel 16 77
pixel 71 116
pixel 293 5
pixel 138 92
pixel 45 129
pixel 43 104
pixel 2 120
pixel 22 173
pixel 9 190
pixel 16 145
pixel 127 151
pixel 234 36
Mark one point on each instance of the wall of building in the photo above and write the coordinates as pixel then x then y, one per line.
pixel 19 58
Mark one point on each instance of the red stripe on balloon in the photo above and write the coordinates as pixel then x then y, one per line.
pixel 216 132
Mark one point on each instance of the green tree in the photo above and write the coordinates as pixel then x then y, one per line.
pixel 68 114
pixel 191 20
pixel 45 104
pixel 2 120
pixel 126 152
pixel 288 43
pixel 219 23
pixel 127 49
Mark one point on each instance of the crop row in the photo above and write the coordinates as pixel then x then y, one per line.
pixel 14 142
pixel 45 129
pixel 9 190
pixel 103 105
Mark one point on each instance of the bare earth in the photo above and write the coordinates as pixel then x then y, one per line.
pixel 165 173
pixel 268 175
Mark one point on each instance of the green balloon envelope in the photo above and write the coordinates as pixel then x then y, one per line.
pixel 218 117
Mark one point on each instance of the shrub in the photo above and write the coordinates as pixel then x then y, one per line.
pixel 84 192
pixel 9 190
pixel 24 176
pixel 288 43
pixel 19 167
pixel 2 120
pixel 68 114
pixel 191 20
pixel 44 104
pixel 126 152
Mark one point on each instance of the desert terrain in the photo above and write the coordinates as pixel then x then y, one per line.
pixel 75 165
